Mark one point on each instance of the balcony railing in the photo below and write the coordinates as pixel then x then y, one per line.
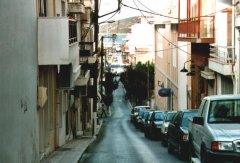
pixel 221 59
pixel 72 31
pixel 198 29
pixel 76 7
pixel 223 54
pixel 83 78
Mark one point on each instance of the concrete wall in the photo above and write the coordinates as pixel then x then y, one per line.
pixel 18 81
pixel 182 79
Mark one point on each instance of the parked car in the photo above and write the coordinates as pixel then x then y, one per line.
pixel 168 117
pixel 147 124
pixel 178 133
pixel 134 112
pixel 214 134
pixel 139 118
pixel 144 118
pixel 155 123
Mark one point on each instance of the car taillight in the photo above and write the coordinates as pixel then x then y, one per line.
pixel 222 146
pixel 214 146
pixel 185 137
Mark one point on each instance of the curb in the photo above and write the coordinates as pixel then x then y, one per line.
pixel 93 140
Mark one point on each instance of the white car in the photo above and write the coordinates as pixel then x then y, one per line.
pixel 168 117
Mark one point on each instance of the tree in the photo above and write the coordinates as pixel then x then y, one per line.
pixel 135 82
pixel 110 84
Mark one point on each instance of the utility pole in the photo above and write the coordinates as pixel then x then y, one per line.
pixel 148 93
pixel 101 73
pixel 95 78
pixel 96 25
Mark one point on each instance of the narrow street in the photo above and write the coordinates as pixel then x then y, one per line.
pixel 121 142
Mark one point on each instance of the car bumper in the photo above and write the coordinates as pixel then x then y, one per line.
pixel 224 156
pixel 184 145
pixel 157 132
pixel 164 136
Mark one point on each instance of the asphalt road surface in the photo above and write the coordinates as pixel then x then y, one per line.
pixel 121 142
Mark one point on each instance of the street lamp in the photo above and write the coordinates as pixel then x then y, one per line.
pixel 189 73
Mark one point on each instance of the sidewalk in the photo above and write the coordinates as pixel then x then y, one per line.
pixel 72 151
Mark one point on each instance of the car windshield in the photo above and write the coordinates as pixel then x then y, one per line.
pixel 159 116
pixel 145 115
pixel 149 115
pixel 186 116
pixel 224 111
pixel 169 117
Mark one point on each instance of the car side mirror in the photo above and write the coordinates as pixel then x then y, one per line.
pixel 198 120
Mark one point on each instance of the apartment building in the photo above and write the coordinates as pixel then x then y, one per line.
pixel 49 90
pixel 209 27
pixel 67 72
pixel 141 44
pixel 170 55
pixel 206 39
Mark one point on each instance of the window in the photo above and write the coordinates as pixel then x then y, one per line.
pixel 159 116
pixel 224 111
pixel 174 55
pixel 201 107
pixel 186 117
pixel 42 8
pixel 63 8
pixel 72 32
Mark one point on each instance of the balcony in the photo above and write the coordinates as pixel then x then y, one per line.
pixel 53 41
pixel 89 4
pixel 76 8
pixel 221 59
pixel 83 55
pixel 208 74
pixel 237 22
pixel 197 30
pixel 83 78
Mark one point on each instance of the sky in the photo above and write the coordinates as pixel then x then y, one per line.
pixel 107 6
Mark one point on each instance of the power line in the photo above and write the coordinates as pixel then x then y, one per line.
pixel 155 13
pixel 146 7
pixel 147 11
pixel 160 33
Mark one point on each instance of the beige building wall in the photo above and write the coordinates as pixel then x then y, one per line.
pixel 166 64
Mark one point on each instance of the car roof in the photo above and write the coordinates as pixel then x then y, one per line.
pixel 158 111
pixel 223 97
pixel 171 112
pixel 141 106
pixel 188 110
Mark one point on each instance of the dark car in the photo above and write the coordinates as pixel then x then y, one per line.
pixel 178 133
pixel 134 112
pixel 155 124
pixel 139 118
pixel 144 119
pixel 168 117
pixel 147 124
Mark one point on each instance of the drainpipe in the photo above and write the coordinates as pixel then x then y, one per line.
pixel 238 55
pixel 236 70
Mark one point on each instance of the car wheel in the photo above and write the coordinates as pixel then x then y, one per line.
pixel 164 142
pixel 182 154
pixel 170 148
pixel 191 152
pixel 204 157
pixel 146 134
